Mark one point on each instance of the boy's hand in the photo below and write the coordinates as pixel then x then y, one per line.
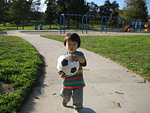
pixel 62 75
pixel 73 57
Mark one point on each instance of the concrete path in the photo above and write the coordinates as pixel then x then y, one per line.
pixel 110 88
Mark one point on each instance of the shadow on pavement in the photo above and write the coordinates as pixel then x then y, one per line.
pixel 87 110
pixel 84 110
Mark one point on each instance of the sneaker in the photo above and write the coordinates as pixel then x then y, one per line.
pixel 64 103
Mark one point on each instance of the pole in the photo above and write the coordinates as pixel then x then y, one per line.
pixel 82 22
pixel 86 22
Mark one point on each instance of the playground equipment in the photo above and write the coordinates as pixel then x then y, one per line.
pixel 130 26
pixel 133 25
pixel 62 17
pixel 127 28
pixel 147 27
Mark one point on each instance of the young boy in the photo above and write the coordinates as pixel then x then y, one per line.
pixel 73 85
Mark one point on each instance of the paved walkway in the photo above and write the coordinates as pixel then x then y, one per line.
pixel 110 88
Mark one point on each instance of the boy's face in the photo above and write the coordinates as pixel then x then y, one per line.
pixel 71 46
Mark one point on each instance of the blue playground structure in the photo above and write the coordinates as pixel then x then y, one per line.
pixel 127 26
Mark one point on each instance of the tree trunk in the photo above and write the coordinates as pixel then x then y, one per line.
pixel 17 26
pixel 23 25
pixel 50 26
pixel 4 23
pixel 77 22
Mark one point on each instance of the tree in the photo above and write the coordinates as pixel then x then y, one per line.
pixel 115 8
pixel 50 11
pixel 93 8
pixel 35 10
pixel 105 10
pixel 112 20
pixel 2 4
pixel 62 7
pixel 108 8
pixel 20 11
pixel 135 9
pixel 78 7
pixel 4 8
pixel 71 7
pixel 35 7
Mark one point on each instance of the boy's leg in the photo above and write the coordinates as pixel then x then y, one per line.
pixel 66 94
pixel 78 98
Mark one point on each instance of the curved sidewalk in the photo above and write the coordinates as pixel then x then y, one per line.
pixel 110 88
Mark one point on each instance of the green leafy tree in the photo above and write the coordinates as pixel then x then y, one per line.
pixel 115 8
pixel 108 8
pixel 35 6
pixel 93 8
pixel 50 11
pixel 112 20
pixel 105 10
pixel 4 9
pixel 2 4
pixel 20 11
pixel 78 7
pixel 135 9
pixel 71 7
pixel 62 7
pixel 35 10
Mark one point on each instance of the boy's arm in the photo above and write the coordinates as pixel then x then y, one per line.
pixel 62 75
pixel 82 60
pixel 84 64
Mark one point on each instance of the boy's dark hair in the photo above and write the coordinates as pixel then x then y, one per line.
pixel 73 37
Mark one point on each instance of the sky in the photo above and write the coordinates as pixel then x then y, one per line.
pixel 101 2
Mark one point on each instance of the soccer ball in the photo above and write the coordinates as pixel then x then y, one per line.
pixel 66 66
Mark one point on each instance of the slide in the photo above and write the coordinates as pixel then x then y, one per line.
pixel 147 28
pixel 126 27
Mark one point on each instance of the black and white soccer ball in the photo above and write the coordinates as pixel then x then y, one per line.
pixel 66 66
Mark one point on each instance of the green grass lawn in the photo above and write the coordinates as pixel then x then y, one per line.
pixel 19 67
pixel 132 52
pixel 29 26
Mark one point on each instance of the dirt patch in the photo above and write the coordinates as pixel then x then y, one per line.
pixel 5 88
